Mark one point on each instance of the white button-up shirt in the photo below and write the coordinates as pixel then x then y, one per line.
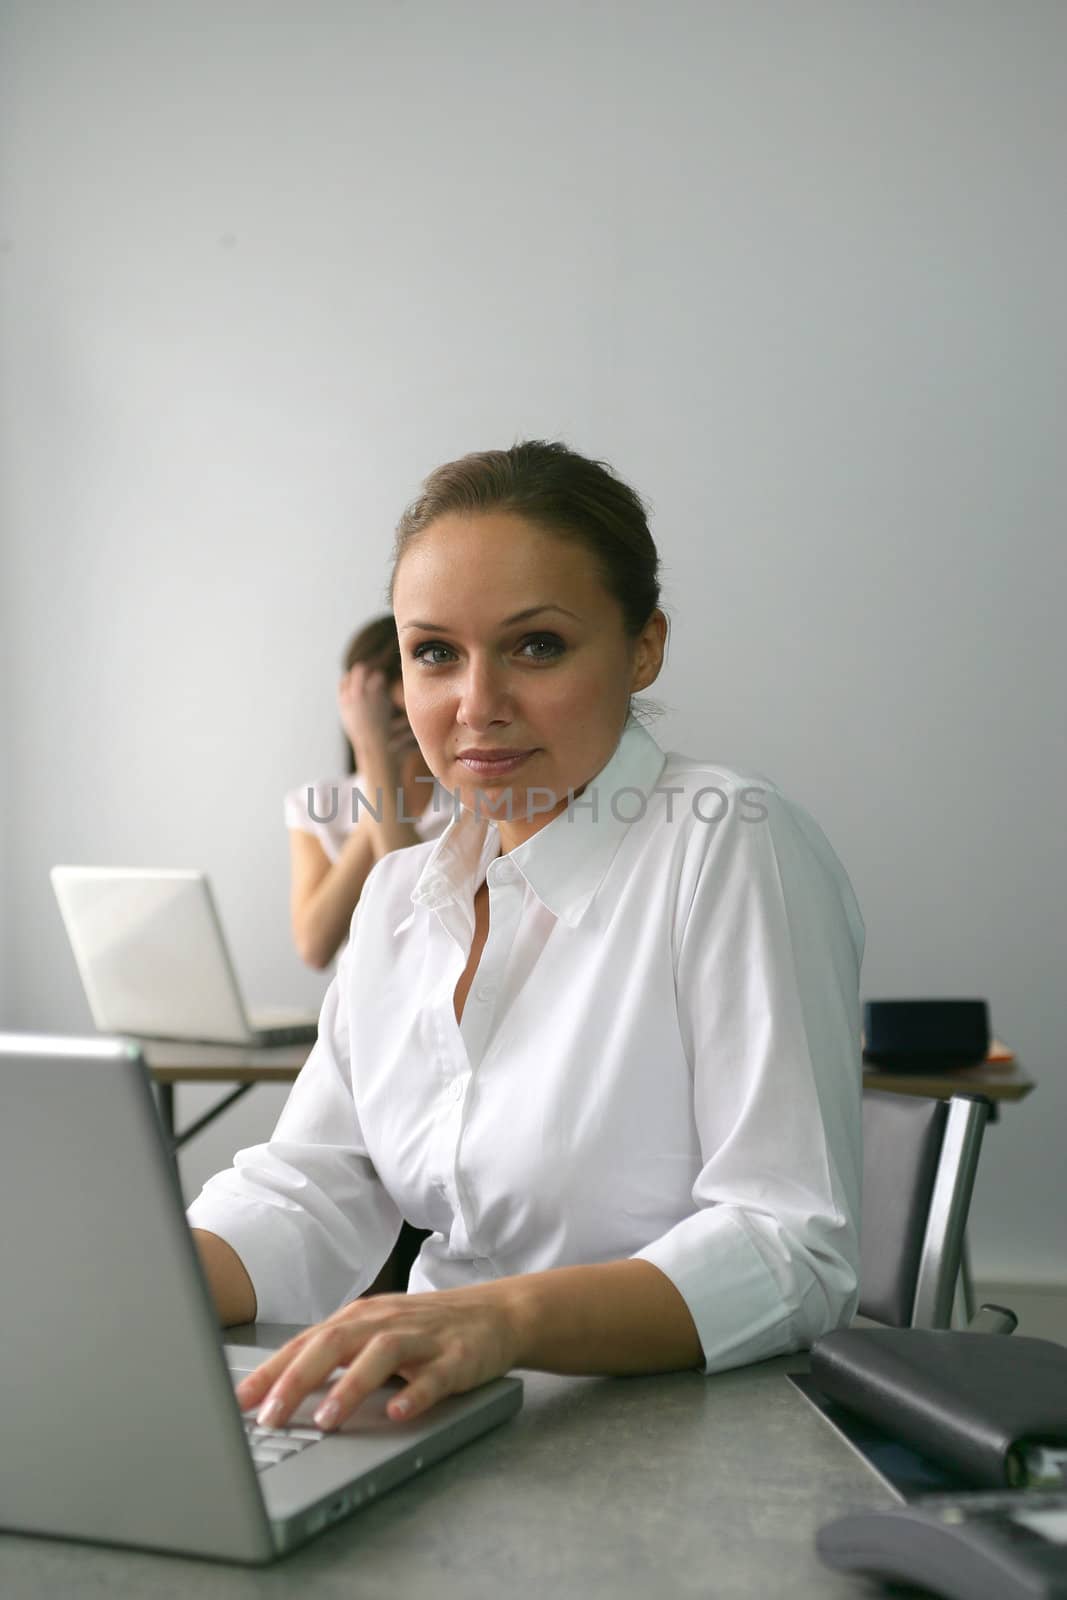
pixel 659 1057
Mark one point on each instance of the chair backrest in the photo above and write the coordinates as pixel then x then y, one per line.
pixel 919 1162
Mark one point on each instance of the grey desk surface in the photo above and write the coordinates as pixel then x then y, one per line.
pixel 673 1485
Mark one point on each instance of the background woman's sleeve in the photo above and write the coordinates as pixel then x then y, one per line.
pixel 306 1212
pixel 768 969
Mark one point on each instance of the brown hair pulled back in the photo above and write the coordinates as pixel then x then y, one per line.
pixel 560 491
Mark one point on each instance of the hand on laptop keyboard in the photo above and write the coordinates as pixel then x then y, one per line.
pixel 441 1343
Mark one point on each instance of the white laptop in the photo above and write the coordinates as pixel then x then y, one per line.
pixel 154 962
pixel 120 1423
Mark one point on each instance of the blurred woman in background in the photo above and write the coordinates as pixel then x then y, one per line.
pixel 331 852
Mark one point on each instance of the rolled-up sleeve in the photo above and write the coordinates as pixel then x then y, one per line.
pixel 306 1212
pixel 768 969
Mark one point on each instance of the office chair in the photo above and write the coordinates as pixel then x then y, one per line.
pixel 919 1158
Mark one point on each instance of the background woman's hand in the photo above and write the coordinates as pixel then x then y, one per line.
pixel 441 1343
pixel 402 742
pixel 366 708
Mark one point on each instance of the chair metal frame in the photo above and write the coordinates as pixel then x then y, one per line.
pixel 942 1255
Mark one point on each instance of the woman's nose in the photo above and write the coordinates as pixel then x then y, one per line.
pixel 483 695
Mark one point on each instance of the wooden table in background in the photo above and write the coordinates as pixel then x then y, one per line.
pixel 998 1079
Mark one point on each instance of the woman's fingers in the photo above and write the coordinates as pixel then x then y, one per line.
pixel 331 1345
pixel 365 679
pixel 385 1355
pixel 421 1393
pixel 364 702
pixel 374 1358
pixel 402 739
pixel 360 681
pixel 250 1390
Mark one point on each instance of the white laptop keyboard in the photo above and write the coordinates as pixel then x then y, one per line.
pixel 300 1034
pixel 269 1446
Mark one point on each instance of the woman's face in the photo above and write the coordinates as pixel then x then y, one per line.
pixel 511 645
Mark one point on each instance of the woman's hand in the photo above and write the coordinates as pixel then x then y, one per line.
pixel 442 1342
pixel 368 714
pixel 402 742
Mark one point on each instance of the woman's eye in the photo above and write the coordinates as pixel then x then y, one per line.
pixel 421 652
pixel 548 645
pixel 537 647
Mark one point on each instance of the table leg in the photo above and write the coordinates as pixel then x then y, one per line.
pixel 178 1139
pixel 165 1092
pixel 966 1281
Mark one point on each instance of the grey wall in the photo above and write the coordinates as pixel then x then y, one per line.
pixel 796 269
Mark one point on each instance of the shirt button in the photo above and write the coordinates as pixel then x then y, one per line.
pixel 505 872
pixel 485 992
pixel 456 1090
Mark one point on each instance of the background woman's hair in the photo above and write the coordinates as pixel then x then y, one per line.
pixel 376 643
pixel 560 491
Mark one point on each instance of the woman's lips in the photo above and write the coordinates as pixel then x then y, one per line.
pixel 490 767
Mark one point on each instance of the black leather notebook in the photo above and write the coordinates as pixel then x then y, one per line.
pixel 971 1401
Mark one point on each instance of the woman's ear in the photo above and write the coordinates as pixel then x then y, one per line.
pixel 648 651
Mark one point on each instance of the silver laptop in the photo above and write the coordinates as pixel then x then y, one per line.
pixel 120 1423
pixel 154 962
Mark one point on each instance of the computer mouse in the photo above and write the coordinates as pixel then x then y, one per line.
pixel 967 1547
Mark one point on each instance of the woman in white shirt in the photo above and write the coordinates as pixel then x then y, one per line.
pixel 601 1038
pixel 335 837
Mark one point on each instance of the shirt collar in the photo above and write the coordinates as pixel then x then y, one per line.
pixel 565 861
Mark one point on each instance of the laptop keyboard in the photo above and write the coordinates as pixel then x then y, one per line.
pixel 297 1035
pixel 269 1446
